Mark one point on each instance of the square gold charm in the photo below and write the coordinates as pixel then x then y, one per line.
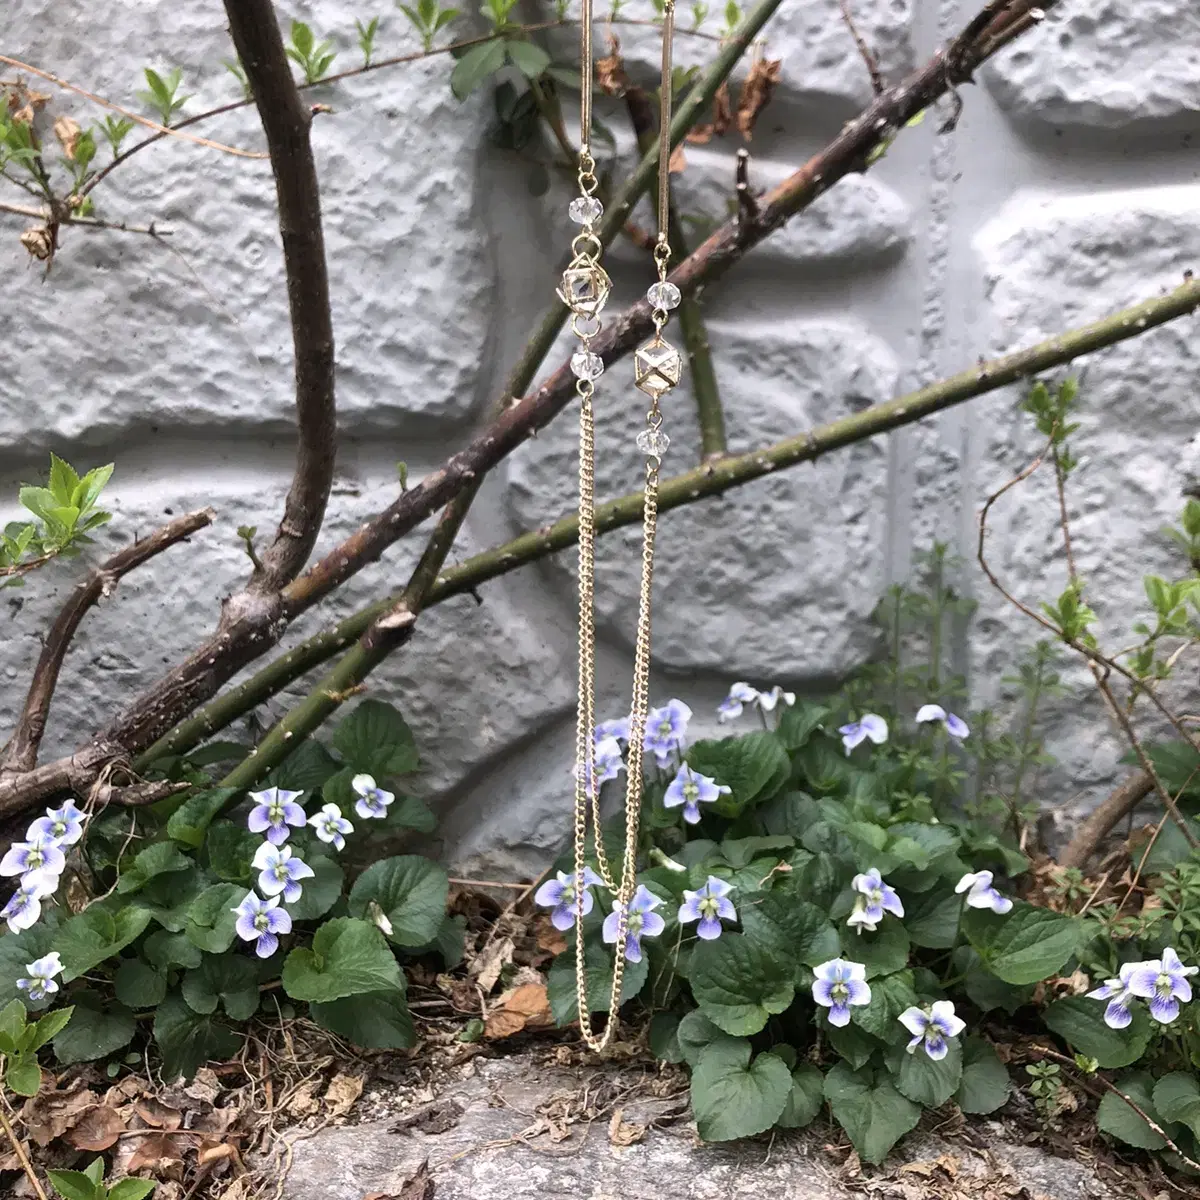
pixel 585 287
pixel 656 366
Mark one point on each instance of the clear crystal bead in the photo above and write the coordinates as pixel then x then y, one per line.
pixel 585 210
pixel 586 365
pixel 656 367
pixel 663 295
pixel 585 327
pixel 585 286
pixel 653 442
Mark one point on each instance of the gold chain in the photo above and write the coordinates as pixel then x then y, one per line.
pixel 584 288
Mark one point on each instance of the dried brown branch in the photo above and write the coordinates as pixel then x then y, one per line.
pixel 1103 819
pixel 47 217
pixel 864 51
pixel 286 121
pixel 747 201
pixel 251 624
pixel 20 755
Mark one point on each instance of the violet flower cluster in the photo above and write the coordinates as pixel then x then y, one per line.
pixel 742 696
pixel 1163 982
pixel 262 919
pixel 38 863
pixel 872 727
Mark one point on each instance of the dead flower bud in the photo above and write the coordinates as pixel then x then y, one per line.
pixel 37 240
pixel 610 71
pixel 722 118
pixel 756 93
pixel 67 131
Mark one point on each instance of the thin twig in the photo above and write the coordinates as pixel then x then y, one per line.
pixel 161 130
pixel 747 201
pixel 22 750
pixel 19 1149
pixel 44 215
pixel 869 59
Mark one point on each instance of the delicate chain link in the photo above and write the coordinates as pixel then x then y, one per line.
pixel 587 791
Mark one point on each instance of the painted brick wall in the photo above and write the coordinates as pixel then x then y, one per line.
pixel 1068 189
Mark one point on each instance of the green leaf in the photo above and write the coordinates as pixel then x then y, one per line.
pixel 50 1026
pixel 189 821
pixel 854 1044
pixel 348 957
pixel 883 952
pixel 187 1040
pixel 733 1097
pixel 164 949
pixel 664 1040
pixel 306 768
pixel 1026 946
pixel 169 898
pixel 890 996
pixel 139 985
pixel 375 738
pixel 23 1075
pixel 933 921
pixel 738 983
pixel 755 767
pixel 924 1080
pixel 227 979
pixel 131 1189
pixel 985 1083
pixel 1080 1023
pixel 1177 1098
pixel 475 66
pixel 529 59
pixel 695 1033
pixel 162 858
pixel 985 990
pixel 211 919
pixel 870 1109
pixel 805 1099
pixel 410 890
pixel 12 1025
pixel 321 892
pixel 374 1020
pixel 97 1029
pixel 230 849
pixel 793 928
pixel 598 970
pixel 94 935
pixel 798 723
pixel 73 1185
pixel 63 480
pixel 17 949
pixel 1118 1120
pixel 93 483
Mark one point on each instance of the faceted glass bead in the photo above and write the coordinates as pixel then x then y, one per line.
pixel 586 365
pixel 585 286
pixel 663 295
pixel 653 442
pixel 656 367
pixel 585 327
pixel 585 210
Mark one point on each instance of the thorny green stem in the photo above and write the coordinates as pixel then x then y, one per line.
pixel 707 480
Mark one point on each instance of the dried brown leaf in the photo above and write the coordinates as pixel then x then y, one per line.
pixel 722 118
pixel 96 1129
pixel 157 1114
pixel 214 1152
pixel 38 242
pixel 342 1092
pixel 156 1151
pixel 304 1102
pixel 610 71
pixel 418 1186
pixel 622 1132
pixel 756 93
pixel 678 163
pixel 67 131
pixel 49 1115
pixel 549 939
pixel 523 1007
pixel 487 967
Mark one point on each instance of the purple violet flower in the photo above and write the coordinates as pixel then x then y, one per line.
pixel 932 1025
pixel 875 897
pixel 956 727
pixel 708 906
pixel 740 694
pixel 330 826
pixel 35 860
pixel 559 895
pixel 691 789
pixel 24 907
pixel 274 810
pixel 617 728
pixel 279 872
pixel 641 922
pixel 63 826
pixel 838 986
pixel 1164 982
pixel 1120 999
pixel 768 701
pixel 40 983
pixel 665 730
pixel 262 921
pixel 372 800
pixel 981 894
pixel 869 725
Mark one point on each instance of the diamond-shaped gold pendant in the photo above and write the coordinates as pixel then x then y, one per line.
pixel 585 286
pixel 656 366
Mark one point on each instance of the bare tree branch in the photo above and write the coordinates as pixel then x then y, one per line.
pixel 1102 820
pixel 286 122
pixel 22 750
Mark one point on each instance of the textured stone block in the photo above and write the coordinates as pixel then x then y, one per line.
pixel 129 334
pixel 1052 263
pixel 475 679
pixel 1104 64
pixel 778 577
